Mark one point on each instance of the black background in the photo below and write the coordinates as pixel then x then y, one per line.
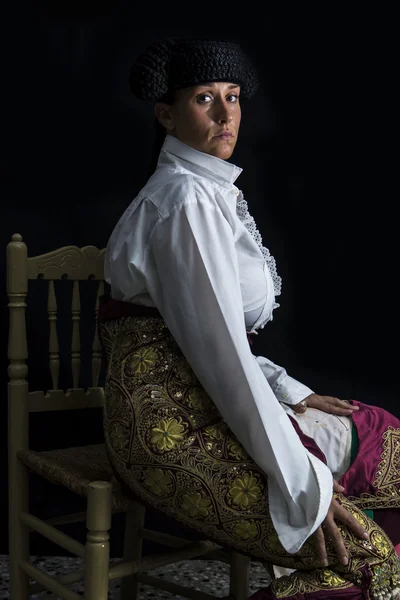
pixel 317 146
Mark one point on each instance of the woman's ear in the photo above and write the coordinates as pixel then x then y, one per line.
pixel 163 113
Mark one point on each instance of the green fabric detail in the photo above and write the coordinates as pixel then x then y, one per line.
pixel 355 443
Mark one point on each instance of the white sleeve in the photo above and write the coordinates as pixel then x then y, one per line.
pixel 286 388
pixel 197 291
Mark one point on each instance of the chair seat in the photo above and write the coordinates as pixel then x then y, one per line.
pixel 75 468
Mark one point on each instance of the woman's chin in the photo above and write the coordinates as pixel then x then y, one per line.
pixel 223 150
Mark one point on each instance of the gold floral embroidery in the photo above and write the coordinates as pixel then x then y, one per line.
pixel 245 491
pixel 199 400
pixel 387 474
pixel 158 482
pixel 164 452
pixel 168 433
pixel 143 360
pixel 274 545
pixel 195 505
pixel 112 401
pixel 217 432
pixel 360 517
pixel 307 582
pixel 246 530
pixel 387 480
pixel 125 341
pixel 331 579
pixel 237 451
pixel 186 374
pixel 380 544
pixel 119 436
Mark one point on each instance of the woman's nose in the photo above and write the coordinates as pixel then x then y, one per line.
pixel 224 114
pixel 227 118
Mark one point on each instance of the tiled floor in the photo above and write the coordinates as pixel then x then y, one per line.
pixel 207 576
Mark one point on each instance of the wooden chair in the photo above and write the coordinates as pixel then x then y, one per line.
pixel 84 470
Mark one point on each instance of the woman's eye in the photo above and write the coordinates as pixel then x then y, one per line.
pixel 206 98
pixel 203 98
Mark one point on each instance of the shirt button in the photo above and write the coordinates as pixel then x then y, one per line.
pixel 285 395
pixel 236 191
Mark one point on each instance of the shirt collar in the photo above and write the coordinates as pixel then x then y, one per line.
pixel 195 161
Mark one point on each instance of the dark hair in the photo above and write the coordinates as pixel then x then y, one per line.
pixel 159 135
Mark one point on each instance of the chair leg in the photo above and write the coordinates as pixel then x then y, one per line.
pixel 18 532
pixel 97 549
pixel 133 544
pixel 240 573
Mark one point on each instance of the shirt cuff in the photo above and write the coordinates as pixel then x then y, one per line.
pixel 291 391
pixel 325 483
pixel 296 521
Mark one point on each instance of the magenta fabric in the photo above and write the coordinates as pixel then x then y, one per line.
pixel 371 422
pixel 389 520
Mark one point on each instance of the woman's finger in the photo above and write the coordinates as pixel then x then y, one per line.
pixel 320 547
pixel 335 406
pixel 341 403
pixel 332 530
pixel 337 487
pixel 342 514
pixel 337 410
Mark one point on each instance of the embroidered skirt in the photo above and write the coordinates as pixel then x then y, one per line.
pixel 169 445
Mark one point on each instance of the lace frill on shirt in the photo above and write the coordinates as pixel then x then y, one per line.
pixel 248 221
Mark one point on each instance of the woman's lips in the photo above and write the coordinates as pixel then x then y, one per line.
pixel 224 136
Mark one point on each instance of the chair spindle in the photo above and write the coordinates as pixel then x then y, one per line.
pixel 54 355
pixel 97 351
pixel 76 343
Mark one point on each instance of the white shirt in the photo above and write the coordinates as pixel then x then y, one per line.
pixel 181 247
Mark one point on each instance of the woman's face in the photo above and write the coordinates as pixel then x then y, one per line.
pixel 205 117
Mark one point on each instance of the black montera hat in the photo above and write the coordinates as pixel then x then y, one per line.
pixel 172 64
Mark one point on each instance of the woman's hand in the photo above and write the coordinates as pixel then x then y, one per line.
pixel 329 529
pixel 328 404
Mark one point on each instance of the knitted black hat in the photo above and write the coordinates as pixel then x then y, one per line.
pixel 172 64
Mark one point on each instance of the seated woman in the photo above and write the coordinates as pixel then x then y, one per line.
pixel 224 442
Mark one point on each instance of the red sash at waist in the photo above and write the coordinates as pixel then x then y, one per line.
pixel 110 309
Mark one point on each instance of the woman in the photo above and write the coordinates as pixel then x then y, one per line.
pixel 196 426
